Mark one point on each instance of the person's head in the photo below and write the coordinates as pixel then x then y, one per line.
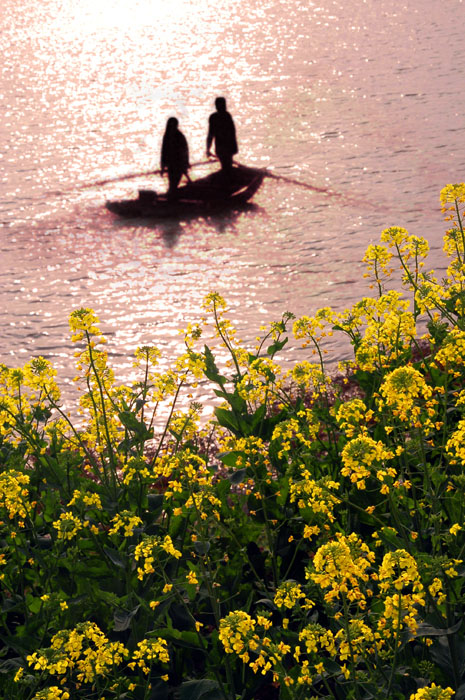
pixel 172 124
pixel 220 104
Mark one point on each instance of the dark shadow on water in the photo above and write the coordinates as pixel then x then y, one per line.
pixel 222 221
pixel 171 228
pixel 171 232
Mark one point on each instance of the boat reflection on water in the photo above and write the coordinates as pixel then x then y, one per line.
pixel 215 192
pixel 170 229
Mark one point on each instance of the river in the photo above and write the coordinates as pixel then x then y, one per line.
pixel 360 101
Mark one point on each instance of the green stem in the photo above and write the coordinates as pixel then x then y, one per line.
pixel 396 646
pixel 351 650
pixel 401 528
pixel 167 424
pixel 204 646
pixel 226 342
pixel 269 535
pixel 80 443
pixel 104 414
pixel 459 221
pixel 231 533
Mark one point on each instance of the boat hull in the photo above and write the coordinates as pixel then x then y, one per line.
pixel 216 191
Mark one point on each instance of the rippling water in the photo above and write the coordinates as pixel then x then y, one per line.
pixel 360 101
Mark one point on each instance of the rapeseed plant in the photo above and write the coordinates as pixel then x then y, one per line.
pixel 308 542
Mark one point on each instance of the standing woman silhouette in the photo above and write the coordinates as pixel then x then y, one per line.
pixel 174 155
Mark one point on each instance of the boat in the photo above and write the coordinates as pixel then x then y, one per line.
pixel 216 191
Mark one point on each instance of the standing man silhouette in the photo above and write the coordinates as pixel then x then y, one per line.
pixel 221 129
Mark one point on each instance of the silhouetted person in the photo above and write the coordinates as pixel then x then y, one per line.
pixel 221 129
pixel 174 155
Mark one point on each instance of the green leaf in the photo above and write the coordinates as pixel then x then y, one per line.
pixel 34 604
pixel 114 556
pixel 283 492
pixel 202 547
pixel 236 402
pixel 122 619
pixel 160 691
pixel 10 665
pixel 12 642
pixel 87 570
pixel 204 689
pixel 425 630
pixel 227 420
pixel 460 692
pixel 266 603
pixel 185 638
pixel 181 621
pixel 332 667
pixel 155 501
pixel 258 417
pixel 238 476
pixel 276 347
pixel 130 421
pixel 136 426
pixel 229 459
pixel 223 487
pixel 211 370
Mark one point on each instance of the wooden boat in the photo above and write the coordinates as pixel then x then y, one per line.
pixel 216 191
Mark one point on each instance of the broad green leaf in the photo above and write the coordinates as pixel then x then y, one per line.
pixel 276 347
pixel 115 557
pixel 33 603
pixel 136 426
pixel 227 420
pixel 258 417
pixel 229 459
pixel 204 689
pixel 155 501
pixel 202 547
pixel 122 619
pixel 211 370
pixel 425 630
pixel 238 476
pixel 236 402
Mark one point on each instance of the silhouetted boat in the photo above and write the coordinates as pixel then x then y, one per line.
pixel 218 190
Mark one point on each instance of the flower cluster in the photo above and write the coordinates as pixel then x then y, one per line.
pixel 406 393
pixel 84 650
pixel 126 521
pixel 68 526
pixel 363 457
pixel 315 495
pixel 14 496
pixel 148 651
pixel 433 692
pixel 150 549
pixel 341 568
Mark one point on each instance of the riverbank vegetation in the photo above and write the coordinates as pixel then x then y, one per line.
pixel 308 542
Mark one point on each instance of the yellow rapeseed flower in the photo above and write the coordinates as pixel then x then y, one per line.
pixel 67 526
pixel 340 567
pixel 14 496
pixel 288 594
pixel 433 692
pixel 126 521
pixel 150 549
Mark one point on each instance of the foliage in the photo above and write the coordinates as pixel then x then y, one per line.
pixel 306 543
